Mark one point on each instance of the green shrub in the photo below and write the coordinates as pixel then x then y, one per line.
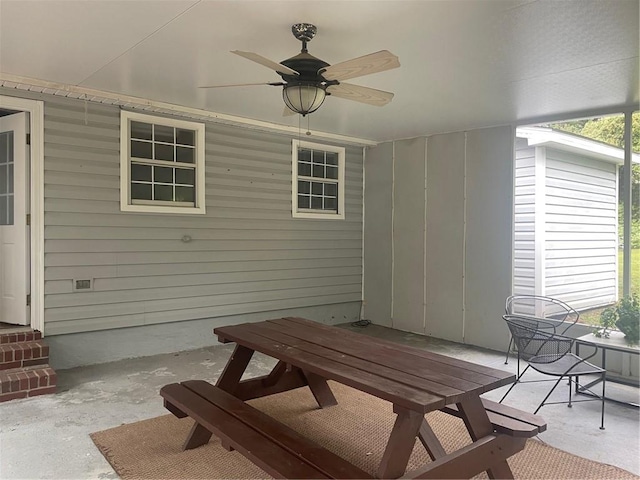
pixel 626 316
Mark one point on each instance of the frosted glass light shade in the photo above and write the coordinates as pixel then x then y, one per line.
pixel 303 99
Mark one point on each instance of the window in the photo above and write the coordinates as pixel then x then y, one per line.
pixel 161 165
pixel 318 180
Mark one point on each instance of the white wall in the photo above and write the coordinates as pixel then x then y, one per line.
pixel 466 274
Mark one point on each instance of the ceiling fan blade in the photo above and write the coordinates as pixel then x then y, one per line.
pixel 274 84
pixel 357 67
pixel 254 57
pixel 367 95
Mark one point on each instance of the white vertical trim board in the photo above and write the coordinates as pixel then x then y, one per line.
pixel 464 240
pixel 393 199
pixel 539 229
pixel 35 108
pixel 364 170
pixel 424 248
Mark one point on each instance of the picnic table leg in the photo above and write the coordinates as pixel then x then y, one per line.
pixel 234 369
pixel 320 389
pixel 478 424
pixel 400 445
pixel 197 436
pixel 430 442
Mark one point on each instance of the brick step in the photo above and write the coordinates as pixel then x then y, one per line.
pixel 26 336
pixel 27 382
pixel 23 354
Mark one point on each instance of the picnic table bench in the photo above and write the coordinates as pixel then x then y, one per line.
pixel 414 380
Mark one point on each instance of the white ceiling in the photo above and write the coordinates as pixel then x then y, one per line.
pixel 464 63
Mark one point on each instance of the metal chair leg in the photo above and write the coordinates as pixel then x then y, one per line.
pixel 604 379
pixel 548 395
pixel 513 384
pixel 506 360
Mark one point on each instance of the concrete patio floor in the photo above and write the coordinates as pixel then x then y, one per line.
pixel 48 437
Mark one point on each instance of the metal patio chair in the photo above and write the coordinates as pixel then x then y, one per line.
pixel 551 354
pixel 544 313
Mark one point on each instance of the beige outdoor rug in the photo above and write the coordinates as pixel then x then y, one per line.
pixel 356 429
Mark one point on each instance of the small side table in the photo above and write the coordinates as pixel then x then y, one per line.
pixel 615 342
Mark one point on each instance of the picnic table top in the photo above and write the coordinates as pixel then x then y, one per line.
pixel 406 376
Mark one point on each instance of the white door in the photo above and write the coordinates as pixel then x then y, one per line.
pixel 14 249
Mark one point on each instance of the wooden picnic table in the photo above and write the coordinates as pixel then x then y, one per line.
pixel 415 381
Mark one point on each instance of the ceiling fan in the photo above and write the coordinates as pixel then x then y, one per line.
pixel 307 80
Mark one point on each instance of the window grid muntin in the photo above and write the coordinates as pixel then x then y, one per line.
pixel 329 202
pixel 318 164
pixel 154 163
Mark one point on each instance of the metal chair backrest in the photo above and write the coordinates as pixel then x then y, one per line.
pixel 535 345
pixel 543 308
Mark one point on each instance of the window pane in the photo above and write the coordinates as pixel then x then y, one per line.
pixel 332 158
pixel 304 187
pixel 185 176
pixel 185 194
pixel 163 133
pixel 10 179
pixel 304 155
pixel 331 204
pixel 316 203
pixel 318 157
pixel 318 171
pixel 185 137
pixel 140 172
pixel 164 152
pixel 4 217
pixel 163 192
pixel 141 130
pixel 10 210
pixel 163 175
pixel 304 169
pixel 141 149
pixel 332 172
pixel 4 179
pixel 331 189
pixel 303 201
pixel 6 147
pixel 140 191
pixel 185 154
pixel 316 188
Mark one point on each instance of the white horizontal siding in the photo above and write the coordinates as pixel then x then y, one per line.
pixel 246 255
pixel 524 220
pixel 580 229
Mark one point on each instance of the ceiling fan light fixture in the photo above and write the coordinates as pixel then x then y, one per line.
pixel 303 98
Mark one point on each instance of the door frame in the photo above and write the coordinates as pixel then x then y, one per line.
pixel 35 108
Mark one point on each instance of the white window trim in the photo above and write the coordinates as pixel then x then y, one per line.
pixel 125 170
pixel 295 144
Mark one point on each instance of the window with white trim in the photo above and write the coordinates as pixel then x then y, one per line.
pixel 318 180
pixel 161 164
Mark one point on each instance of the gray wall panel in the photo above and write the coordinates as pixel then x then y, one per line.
pixel 408 234
pixel 377 227
pixel 488 234
pixel 445 235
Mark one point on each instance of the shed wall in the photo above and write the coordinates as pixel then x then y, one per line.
pixel 581 219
